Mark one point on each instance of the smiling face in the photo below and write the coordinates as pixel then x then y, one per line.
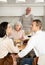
pixel 17 27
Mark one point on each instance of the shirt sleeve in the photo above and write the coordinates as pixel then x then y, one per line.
pixel 12 48
pixel 30 45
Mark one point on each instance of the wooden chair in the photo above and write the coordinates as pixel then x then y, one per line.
pixel 35 61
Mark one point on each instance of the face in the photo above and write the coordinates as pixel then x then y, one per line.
pixel 28 11
pixel 33 27
pixel 17 27
pixel 9 29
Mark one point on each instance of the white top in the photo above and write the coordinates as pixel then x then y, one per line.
pixel 36 42
pixel 7 46
pixel 27 15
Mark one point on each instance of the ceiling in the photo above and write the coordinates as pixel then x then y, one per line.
pixel 13 2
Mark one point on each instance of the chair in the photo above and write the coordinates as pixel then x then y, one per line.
pixel 35 61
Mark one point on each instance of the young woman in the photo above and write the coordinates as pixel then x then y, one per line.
pixel 6 45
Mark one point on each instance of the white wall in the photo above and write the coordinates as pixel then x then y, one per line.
pixel 18 11
pixel 10 19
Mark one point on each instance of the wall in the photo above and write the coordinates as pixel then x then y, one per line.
pixel 18 11
pixel 10 19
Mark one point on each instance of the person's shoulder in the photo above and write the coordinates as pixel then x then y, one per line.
pixel 33 37
pixel 31 15
pixel 9 39
pixel 22 31
pixel 43 32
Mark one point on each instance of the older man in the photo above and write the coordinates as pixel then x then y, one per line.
pixel 26 20
pixel 36 42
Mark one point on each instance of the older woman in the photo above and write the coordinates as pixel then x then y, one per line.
pixel 6 45
pixel 18 33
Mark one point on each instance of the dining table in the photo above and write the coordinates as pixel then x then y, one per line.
pixel 21 45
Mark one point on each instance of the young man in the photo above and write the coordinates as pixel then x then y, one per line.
pixel 36 42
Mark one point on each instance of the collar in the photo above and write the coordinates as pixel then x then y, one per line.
pixel 27 15
pixel 38 31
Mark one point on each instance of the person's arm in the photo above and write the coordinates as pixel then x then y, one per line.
pixel 22 37
pixel 27 49
pixel 12 48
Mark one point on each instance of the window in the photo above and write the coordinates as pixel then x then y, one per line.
pixel 20 1
pixel 3 0
pixel 39 0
